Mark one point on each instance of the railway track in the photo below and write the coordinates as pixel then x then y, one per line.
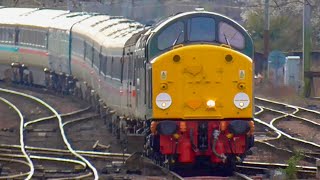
pixel 44 111
pixel 265 168
pixel 47 162
pixel 289 118
pixel 276 118
pixel 112 164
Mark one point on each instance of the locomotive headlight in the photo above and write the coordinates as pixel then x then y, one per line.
pixel 163 100
pixel 211 104
pixel 241 100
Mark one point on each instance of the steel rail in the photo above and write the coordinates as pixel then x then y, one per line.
pixel 283 116
pixel 309 168
pixel 285 134
pixel 41 158
pixel 47 158
pixel 293 115
pixel 175 176
pixel 66 151
pixel 22 145
pixel 94 170
pixel 54 116
pixel 260 110
pixel 71 178
pixel 79 119
pixel 242 176
pixel 15 175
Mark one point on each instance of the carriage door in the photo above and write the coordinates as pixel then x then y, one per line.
pixel 130 79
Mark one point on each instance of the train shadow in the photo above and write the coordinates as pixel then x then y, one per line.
pixel 203 169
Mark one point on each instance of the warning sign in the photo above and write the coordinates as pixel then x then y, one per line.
pixel 163 75
pixel 242 74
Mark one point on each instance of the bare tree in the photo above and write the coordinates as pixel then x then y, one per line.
pixel 15 2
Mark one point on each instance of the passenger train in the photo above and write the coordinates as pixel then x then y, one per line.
pixel 188 79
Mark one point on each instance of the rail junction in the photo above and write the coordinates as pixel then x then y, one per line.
pixel 43 149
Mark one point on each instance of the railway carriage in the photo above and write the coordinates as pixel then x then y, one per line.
pixel 183 85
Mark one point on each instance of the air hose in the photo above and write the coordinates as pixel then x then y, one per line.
pixel 215 135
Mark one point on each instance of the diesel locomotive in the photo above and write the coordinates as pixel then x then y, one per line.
pixel 183 85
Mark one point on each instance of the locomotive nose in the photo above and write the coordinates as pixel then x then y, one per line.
pixel 203 82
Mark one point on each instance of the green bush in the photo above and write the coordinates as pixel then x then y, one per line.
pixel 292 169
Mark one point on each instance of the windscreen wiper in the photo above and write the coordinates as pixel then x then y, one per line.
pixel 227 40
pixel 176 41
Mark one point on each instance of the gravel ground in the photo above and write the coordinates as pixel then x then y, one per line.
pixel 63 104
pixel 284 94
pixel 82 134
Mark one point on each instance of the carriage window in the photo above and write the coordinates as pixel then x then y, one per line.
pixel 116 68
pixel 96 59
pixel 77 46
pixel 104 64
pixel 230 35
pixel 33 38
pixel 89 53
pixel 171 34
pixel 7 35
pixel 109 66
pixel 201 29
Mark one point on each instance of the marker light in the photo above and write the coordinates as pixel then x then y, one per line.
pixel 163 100
pixel 241 100
pixel 211 104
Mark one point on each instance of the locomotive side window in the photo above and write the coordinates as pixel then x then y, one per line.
pixel 230 35
pixel 201 29
pixel 174 34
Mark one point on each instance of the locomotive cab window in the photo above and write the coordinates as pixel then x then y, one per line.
pixel 172 35
pixel 201 29
pixel 231 36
